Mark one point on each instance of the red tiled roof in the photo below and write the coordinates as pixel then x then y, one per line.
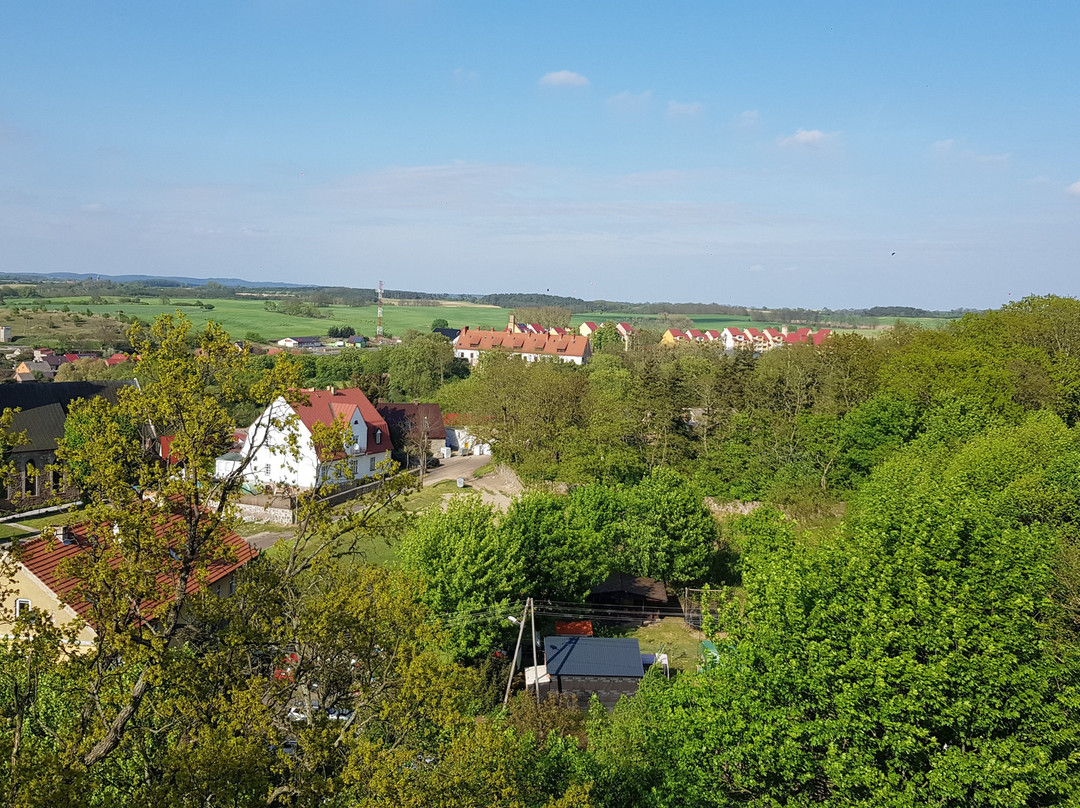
pixel 324 406
pixel 44 562
pixel 550 344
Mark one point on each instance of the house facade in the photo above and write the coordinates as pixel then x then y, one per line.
pixel 530 347
pixel 267 451
pixel 40 583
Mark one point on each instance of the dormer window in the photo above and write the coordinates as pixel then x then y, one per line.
pixel 378 436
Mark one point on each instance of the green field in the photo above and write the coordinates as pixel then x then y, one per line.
pixel 248 318
pixel 242 317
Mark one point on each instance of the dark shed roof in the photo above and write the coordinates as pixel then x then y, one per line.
pixel 593 656
pixel 450 333
pixel 618 583
pixel 400 416
pixel 44 406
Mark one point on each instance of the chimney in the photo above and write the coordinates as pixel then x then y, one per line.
pixel 783 330
pixel 65 534
pixel 331 390
pixel 512 325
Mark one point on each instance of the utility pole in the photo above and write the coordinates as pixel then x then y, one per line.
pixel 536 668
pixel 513 659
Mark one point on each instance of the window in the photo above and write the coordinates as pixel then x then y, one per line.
pixel 373 464
pixel 21 605
pixel 378 436
pixel 232 585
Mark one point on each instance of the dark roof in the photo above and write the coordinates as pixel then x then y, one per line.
pixel 450 333
pixel 44 406
pixel 620 583
pixel 593 656
pixel 398 415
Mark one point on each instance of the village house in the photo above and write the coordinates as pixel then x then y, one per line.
pixel 299 342
pixel 588 328
pixel 282 425
pixel 39 582
pixel 43 409
pixel 411 425
pixel 530 347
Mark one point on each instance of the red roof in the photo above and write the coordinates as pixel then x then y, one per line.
pixel 551 344
pixel 574 628
pixel 325 405
pixel 44 562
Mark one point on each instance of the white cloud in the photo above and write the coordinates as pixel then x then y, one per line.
pixel 958 151
pixel 464 77
pixel 679 109
pixel 1074 189
pixel 809 139
pixel 749 118
pixel 627 101
pixel 563 78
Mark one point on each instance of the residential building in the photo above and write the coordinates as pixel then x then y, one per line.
pixel 587 328
pixel 43 409
pixel 267 454
pixel 299 342
pixel 39 582
pixel 531 347
pixel 413 424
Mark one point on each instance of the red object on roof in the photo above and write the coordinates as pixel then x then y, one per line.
pixel 574 628
pixel 43 562
pixel 116 359
pixel 325 405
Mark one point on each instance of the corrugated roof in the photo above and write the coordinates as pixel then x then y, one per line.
pixel 593 656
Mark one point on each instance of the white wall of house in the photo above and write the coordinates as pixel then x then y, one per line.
pixel 271 463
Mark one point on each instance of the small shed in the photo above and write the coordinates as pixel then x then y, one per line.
pixel 619 589
pixel 608 667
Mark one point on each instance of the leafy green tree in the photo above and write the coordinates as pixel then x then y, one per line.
pixel 666 532
pixel 562 557
pixel 439 322
pixel 472 571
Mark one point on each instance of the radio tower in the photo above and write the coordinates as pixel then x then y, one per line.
pixel 378 324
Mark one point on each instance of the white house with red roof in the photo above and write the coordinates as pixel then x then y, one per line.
pixel 587 328
pixel 280 450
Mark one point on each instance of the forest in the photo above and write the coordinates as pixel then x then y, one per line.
pixel 896 610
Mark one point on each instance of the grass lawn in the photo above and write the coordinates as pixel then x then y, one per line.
pixel 671 636
pixel 431 494
pixel 67 517
pixel 8 531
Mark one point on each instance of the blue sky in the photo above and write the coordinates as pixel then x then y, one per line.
pixel 772 154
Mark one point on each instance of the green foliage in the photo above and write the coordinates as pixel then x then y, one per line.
pixel 666 533
pixel 472 570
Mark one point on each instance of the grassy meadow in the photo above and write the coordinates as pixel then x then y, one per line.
pixel 248 318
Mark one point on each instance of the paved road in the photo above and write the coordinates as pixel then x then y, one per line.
pixel 454 467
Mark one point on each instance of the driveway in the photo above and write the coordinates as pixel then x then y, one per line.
pixel 453 467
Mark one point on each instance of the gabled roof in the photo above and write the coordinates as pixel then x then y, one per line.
pixel 549 344
pixel 450 333
pixel 398 416
pixel 44 406
pixel 323 406
pixel 624 328
pixel 593 656
pixel 43 562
